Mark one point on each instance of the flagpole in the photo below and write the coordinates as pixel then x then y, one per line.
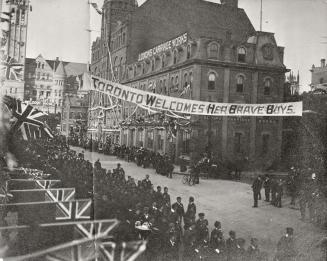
pixel 260 15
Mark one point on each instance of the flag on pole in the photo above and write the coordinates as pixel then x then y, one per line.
pixel 95 6
pixel 26 119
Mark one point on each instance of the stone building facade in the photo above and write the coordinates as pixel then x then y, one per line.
pixel 319 76
pixel 46 81
pixel 196 50
pixel 14 25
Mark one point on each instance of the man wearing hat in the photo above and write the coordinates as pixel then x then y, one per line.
pixel 286 247
pixel 256 187
pixel 217 239
pixel 189 217
pixel 179 207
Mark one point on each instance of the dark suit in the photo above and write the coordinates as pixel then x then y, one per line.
pixel 256 187
pixel 179 210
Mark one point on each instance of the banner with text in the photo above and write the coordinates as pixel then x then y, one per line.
pixel 179 105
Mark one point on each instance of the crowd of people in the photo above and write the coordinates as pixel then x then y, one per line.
pixel 304 189
pixel 172 231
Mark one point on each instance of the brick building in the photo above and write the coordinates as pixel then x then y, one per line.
pixel 198 50
pixel 46 81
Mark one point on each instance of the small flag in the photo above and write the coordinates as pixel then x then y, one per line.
pixel 95 6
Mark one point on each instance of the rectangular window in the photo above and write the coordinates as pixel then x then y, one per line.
pixel 160 140
pixel 265 143
pixel 150 139
pixel 186 142
pixel 237 142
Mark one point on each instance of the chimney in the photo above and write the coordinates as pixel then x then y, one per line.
pixel 229 3
pixel 323 62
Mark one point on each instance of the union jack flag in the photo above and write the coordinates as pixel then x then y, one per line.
pixel 4 194
pixel 12 69
pixel 26 119
pixel 74 210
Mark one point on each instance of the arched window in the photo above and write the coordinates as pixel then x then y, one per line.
pixel 185 80
pixel 267 87
pixel 153 64
pixel 241 55
pixel 240 84
pixel 42 65
pixel 188 52
pixel 164 88
pixel 175 56
pixel 176 82
pixel 213 51
pixel 211 81
pixel 163 60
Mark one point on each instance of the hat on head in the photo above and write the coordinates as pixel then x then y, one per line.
pixel 289 230
pixel 201 214
pixel 218 224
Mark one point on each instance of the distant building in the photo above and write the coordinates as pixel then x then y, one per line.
pixel 319 76
pixel 192 49
pixel 74 114
pixel 292 86
pixel 14 25
pixel 47 81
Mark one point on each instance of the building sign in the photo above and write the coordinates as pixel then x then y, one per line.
pixel 179 105
pixel 164 47
pixel 40 103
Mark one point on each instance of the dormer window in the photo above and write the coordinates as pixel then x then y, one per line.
pixel 241 55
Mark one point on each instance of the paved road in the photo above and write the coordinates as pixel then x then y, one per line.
pixel 231 203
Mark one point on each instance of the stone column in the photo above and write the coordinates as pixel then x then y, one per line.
pixel 225 119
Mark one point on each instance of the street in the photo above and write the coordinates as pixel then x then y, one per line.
pixel 231 203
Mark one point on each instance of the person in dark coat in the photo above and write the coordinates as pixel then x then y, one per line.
pixel 189 217
pixel 231 246
pixel 286 247
pixel 147 182
pixel 267 187
pixel 279 194
pixel 171 249
pixel 178 206
pixel 241 252
pixel 273 185
pixel 253 252
pixel 256 187
pixel 217 241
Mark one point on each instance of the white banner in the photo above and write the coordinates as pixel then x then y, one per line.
pixel 179 105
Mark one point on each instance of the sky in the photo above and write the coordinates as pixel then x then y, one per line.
pixel 58 28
